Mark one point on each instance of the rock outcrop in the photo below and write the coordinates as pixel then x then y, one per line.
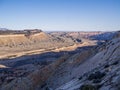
pixel 105 71
pixel 92 68
pixel 17 43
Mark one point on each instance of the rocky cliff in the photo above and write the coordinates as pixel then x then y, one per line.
pixel 92 68
pixel 99 72
pixel 17 43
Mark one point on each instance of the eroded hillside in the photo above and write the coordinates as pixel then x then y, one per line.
pixel 18 43
pixel 68 64
pixel 101 71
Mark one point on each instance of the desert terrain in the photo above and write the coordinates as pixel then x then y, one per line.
pixel 37 60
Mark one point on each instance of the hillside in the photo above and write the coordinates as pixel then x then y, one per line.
pixel 86 64
pixel 99 71
pixel 98 35
pixel 28 41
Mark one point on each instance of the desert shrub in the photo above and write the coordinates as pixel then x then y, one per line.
pixel 96 81
pixel 115 63
pixel 106 66
pixel 80 78
pixel 42 86
pixel 88 87
pixel 96 75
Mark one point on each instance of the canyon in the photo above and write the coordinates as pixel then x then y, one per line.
pixel 37 60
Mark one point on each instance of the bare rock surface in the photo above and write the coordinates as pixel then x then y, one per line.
pixel 100 72
pixel 66 63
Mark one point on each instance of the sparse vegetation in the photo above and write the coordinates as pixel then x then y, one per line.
pixel 96 75
pixel 55 66
pixel 88 87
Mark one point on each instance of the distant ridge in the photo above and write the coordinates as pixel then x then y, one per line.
pixel 3 29
pixel 26 31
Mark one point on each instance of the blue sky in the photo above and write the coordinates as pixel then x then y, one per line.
pixel 64 15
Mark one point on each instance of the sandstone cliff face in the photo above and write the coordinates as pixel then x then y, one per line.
pixel 17 43
pixel 12 40
pixel 22 39
pixel 31 38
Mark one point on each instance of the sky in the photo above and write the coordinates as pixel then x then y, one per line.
pixel 60 15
